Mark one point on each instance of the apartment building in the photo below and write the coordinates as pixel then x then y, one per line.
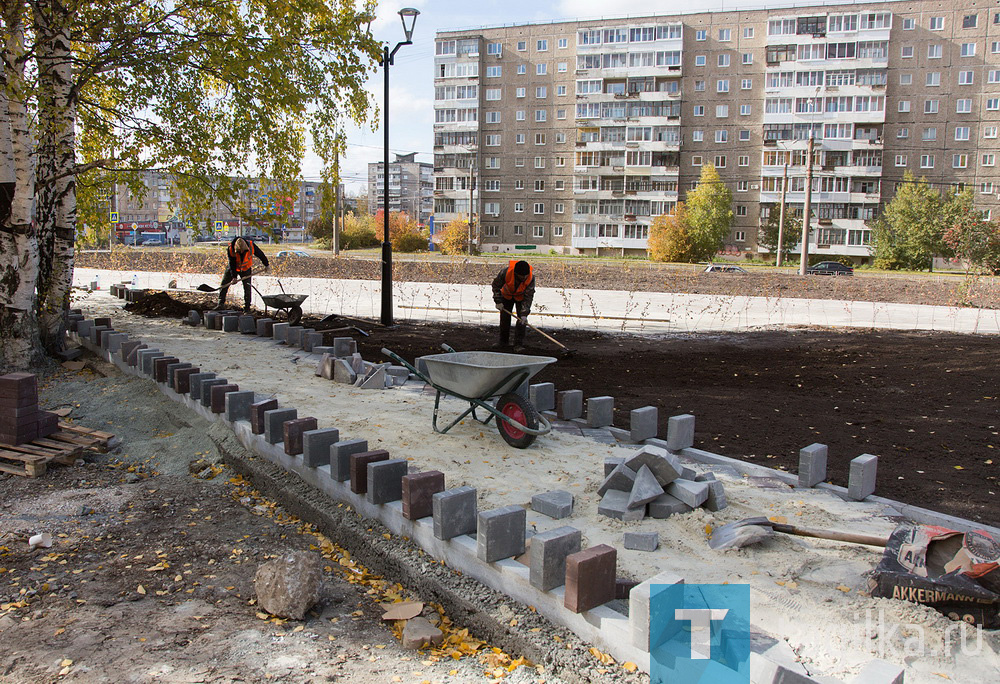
pixel 411 187
pixel 575 135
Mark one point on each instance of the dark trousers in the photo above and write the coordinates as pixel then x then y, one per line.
pixel 230 277
pixel 519 327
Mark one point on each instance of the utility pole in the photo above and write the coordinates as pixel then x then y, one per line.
pixel 781 215
pixel 472 206
pixel 338 218
pixel 807 208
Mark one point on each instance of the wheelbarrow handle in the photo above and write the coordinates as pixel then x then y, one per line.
pixel 400 360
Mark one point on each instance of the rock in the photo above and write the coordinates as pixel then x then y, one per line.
pixel 289 586
pixel 419 632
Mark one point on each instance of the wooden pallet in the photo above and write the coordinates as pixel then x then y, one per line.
pixel 64 447
pixel 21 463
pixel 84 436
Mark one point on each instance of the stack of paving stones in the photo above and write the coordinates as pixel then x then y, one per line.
pixel 20 419
pixel 653 482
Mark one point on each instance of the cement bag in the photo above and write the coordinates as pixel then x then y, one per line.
pixel 956 573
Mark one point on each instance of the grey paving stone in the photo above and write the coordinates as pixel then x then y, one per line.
pixel 421 365
pixel 374 380
pixel 115 342
pixel 612 462
pixel 569 404
pixel 312 340
pixel 622 478
pixel 705 477
pixel 324 368
pixel 230 323
pixel 600 435
pixel 195 381
pixel 194 317
pixel 147 360
pixel 265 327
pixel 614 504
pixel 274 424
pixel 812 465
pixel 210 317
pixel 344 347
pixel 861 479
pixel 600 411
pixel 641 541
pixel 666 506
pixel 316 446
pixel 644 490
pixel 344 372
pixel 248 325
pixel 398 374
pixel 206 392
pixel 293 337
pixel 665 466
pixel 340 457
pixel 385 480
pixel 689 473
pixel 279 331
pixel 303 335
pixel 500 533
pixel 547 558
pixel 322 350
pixel 690 492
pixel 543 396
pixel 716 499
pixel 238 405
pixel 556 504
pixel 643 423
pixel 173 368
pixel 680 432
pixel 95 333
pixel 83 328
pixel 454 512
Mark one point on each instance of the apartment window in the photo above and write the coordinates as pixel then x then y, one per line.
pixel 519 138
pixel 989 131
pixel 748 32
pixel 906 51
pixel 903 132
pixel 542 45
pixel 489 231
pixel 493 72
pixel 905 79
pixel 519 115
pixel 492 117
pixel 557 231
pixel 561 67
pixel 493 94
pixel 522 45
pixel 560 90
pixel 493 140
pixel 744 135
pixel 937 23
pixel 989 160
pixel 699 110
pixel 491 208
pixel 743 160
pixel 933 78
pixel 519 230
pixel 995 47
pixel 900 160
pixel 541 92
pixel 909 24
pixel 522 69
pixel 965 78
pixel 561 137
pixel 540 115
pixel 968 50
pixel 741 210
pixel 518 161
pixel 959 161
pixel 725 35
pixel 722 85
pixel 724 60
pixel 721 111
pixel 746 84
pixel 541 69
pixel 539 138
pixel 986 188
pixel 696 160
pixel 993 76
pixel 931 106
pixel 699 86
pixel 970 21
pixel 963 106
pixel 538 231
pixel 992 104
pixel 721 136
pixel 559 207
pixel 539 186
pixel 539 162
pixel 934 51
pixel 560 114
pixel 745 110
pixel 927 161
pixel 962 133
pixel 929 133
pixel 494 48
pixel 521 92
pixel 747 58
pixel 904 106
pixel 720 161
pixel 493 162
pixel 563 43
pixel 701 34
pixel 492 185
pixel 539 208
pixel 519 184
pixel 518 207
pixel 697 136
pixel 700 60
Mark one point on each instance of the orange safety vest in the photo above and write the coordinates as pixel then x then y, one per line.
pixel 510 290
pixel 244 262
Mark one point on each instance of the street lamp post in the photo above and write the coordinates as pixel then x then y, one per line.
pixel 407 14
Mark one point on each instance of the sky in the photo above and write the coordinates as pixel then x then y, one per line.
pixel 411 80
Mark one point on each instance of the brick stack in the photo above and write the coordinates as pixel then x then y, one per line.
pixel 20 419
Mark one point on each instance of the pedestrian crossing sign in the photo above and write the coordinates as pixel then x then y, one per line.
pixel 114 217
pixel 218 225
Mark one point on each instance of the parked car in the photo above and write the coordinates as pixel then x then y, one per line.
pixel 834 268
pixel 155 242
pixel 293 252
pixel 723 268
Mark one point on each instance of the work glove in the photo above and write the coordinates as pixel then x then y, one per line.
pixel 499 306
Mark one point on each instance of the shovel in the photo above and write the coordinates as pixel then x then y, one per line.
pixel 566 351
pixel 752 530
pixel 209 288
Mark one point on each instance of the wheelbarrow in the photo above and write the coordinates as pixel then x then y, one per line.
pixel 477 377
pixel 290 304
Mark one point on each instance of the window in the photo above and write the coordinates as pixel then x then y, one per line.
pixel 538 231
pixel 929 133
pixel 744 135
pixel 520 92
pixel 905 79
pixel 519 115
pixel 699 110
pixel 560 114
pixel 522 45
pixel 931 107
pixel 989 131
pixel 541 69
pixel 748 32
pixel 493 72
pixel 561 137
pixel 725 34
pixel 493 94
pixel 701 34
pixel 542 45
pixel 937 23
pixel 965 78
pixel 743 160
pixel 540 115
pixel 724 60
pixel 561 67
pixel 699 60
pixel 959 161
pixel 992 104
pixel 741 210
pixel 522 68
pixel 696 160
pixel 721 136
pixel 963 106
pixel 970 21
pixel 489 231
pixel 720 161
pixel 541 92
pixel 986 188
pixel 903 132
pixel 934 52
pixel 909 24
pixel 560 90
pixel 968 50
pixel 697 136
pixel 518 207
pixel 493 162
pixel 933 78
pixel 492 185
pixel 904 106
pixel 492 117
pixel 747 58
pixel 518 161
pixel 989 160
pixel 519 230
pixel 539 208
pixel 745 110
pixel 493 140
pixel 491 208
pixel 993 76
pixel 900 160
pixel 995 47
pixel 906 51
pixel 539 162
pixel 699 86
pixel 519 184
pixel 559 207
pixel 539 138
pixel 563 43
pixel 962 133
pixel 494 48
pixel 742 186
pixel 722 85
pixel 927 161
pixel 746 84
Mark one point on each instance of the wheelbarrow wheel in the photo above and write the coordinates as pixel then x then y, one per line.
pixel 295 315
pixel 518 408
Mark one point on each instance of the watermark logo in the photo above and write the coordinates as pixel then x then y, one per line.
pixel 699 633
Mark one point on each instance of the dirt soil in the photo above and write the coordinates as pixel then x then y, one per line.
pixel 150 577
pixel 628 275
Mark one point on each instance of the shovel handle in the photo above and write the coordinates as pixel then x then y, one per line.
pixel 829 534
pixel 541 332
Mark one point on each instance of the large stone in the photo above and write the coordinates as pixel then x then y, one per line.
pixel 690 492
pixel 454 512
pixel 614 504
pixel 612 462
pixel 716 500
pixel 340 457
pixel 622 478
pixel 600 411
pixel 645 489
pixel 680 432
pixel 172 369
pixel 217 401
pixel 569 404
pixel 344 372
pixel 293 431
pixel 279 331
pixel 160 367
pixel 664 465
pixel 206 390
pixel 265 327
pixel 344 347
pixel 316 446
pixel 418 633
pixel 812 465
pixel 643 423
pixel 311 340
pixel 556 504
pixel 500 533
pixel 289 586
pixel 194 383
pixel 230 323
pixel 547 556
pixel 274 424
pixel 543 396
pixel 385 480
pixel 238 405
pixel 374 380
pixel 641 541
pixel 248 325
pixel 665 506
pixel 861 478
pixel 590 578
pixel 418 493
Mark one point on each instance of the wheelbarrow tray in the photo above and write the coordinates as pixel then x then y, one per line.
pixel 283 301
pixel 477 374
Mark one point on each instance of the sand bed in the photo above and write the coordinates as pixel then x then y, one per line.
pixel 808 593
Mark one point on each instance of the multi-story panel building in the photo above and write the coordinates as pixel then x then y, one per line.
pixel 576 135
pixel 411 187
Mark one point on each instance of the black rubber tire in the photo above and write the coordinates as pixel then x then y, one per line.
pixel 294 315
pixel 520 407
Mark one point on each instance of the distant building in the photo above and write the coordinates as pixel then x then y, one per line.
pixel 411 187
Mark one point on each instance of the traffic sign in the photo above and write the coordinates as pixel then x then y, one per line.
pixel 218 225
pixel 114 217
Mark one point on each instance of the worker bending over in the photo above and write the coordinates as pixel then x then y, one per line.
pixel 241 253
pixel 513 290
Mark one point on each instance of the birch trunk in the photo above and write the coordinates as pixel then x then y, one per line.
pixel 56 192
pixel 19 341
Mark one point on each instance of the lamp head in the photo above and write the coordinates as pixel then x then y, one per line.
pixel 408 15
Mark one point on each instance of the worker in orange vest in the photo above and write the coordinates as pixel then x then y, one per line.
pixel 241 253
pixel 513 290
